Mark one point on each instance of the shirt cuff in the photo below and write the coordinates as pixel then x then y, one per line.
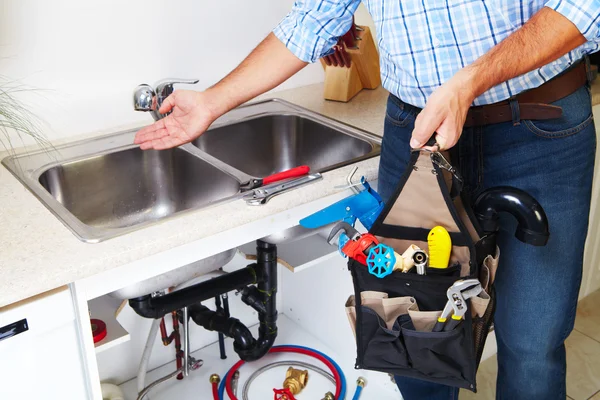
pixel 303 43
pixel 582 13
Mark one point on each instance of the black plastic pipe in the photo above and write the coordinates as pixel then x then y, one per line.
pixel 532 225
pixel 155 307
pixel 261 298
pixel 215 321
pixel 221 335
pixel 266 256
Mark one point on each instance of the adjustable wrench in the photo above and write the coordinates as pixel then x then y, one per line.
pixel 458 294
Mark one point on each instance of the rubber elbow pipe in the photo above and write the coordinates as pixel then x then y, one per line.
pixel 532 222
pixel 267 333
pixel 232 327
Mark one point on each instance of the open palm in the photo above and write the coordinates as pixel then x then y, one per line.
pixel 189 119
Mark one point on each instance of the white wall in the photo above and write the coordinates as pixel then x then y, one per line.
pixel 86 57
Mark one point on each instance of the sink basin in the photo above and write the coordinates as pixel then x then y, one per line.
pixel 105 187
pixel 274 143
pixel 132 186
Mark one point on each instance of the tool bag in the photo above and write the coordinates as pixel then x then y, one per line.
pixel 393 316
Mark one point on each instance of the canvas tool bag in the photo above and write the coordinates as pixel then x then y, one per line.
pixel 392 317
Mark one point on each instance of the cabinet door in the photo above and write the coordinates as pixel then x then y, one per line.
pixel 44 360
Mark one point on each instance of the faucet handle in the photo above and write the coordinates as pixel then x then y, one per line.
pixel 164 87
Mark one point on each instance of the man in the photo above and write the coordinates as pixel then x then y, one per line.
pixel 492 73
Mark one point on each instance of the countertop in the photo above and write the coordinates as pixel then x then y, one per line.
pixel 39 253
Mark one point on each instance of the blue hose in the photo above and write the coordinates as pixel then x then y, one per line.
pixel 222 387
pixel 357 393
pixel 340 372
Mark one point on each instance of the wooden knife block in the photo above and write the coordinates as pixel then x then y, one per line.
pixel 342 83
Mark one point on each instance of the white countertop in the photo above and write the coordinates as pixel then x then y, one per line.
pixel 38 253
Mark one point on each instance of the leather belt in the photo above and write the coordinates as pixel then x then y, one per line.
pixel 534 103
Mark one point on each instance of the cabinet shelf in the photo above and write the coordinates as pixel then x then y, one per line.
pixel 106 308
pixel 300 254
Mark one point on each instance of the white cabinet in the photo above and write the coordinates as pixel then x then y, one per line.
pixel 44 361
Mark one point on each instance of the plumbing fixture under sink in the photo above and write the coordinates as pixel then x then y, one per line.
pixel 106 187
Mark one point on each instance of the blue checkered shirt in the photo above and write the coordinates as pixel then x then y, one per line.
pixel 422 43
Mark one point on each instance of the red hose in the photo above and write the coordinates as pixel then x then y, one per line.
pixel 283 349
pixel 215 390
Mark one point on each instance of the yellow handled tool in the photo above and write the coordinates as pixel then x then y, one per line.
pixel 440 247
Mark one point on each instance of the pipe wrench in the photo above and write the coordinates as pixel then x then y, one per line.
pixel 458 294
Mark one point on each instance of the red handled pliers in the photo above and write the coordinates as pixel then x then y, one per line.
pixel 290 173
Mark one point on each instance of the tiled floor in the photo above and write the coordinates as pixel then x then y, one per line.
pixel 583 358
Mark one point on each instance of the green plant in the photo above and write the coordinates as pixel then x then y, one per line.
pixel 16 120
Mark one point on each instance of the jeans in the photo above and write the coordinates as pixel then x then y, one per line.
pixel 536 287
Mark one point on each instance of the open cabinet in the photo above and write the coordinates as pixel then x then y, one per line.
pixel 313 285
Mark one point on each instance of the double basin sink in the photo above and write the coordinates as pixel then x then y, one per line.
pixel 106 187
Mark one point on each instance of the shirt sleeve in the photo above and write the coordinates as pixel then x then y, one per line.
pixel 585 14
pixel 313 27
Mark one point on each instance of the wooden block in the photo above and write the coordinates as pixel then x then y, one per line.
pixel 366 58
pixel 341 84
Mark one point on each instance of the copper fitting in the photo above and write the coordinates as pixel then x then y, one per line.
pixel 295 380
pixel 361 381
pixel 329 396
pixel 214 378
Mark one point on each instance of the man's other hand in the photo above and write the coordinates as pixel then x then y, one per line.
pixel 191 116
pixel 444 113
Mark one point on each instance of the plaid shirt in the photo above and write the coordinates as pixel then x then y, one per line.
pixel 422 43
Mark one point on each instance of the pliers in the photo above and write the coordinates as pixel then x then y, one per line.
pixel 458 294
pixel 290 173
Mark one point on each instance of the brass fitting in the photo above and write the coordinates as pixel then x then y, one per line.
pixel 329 396
pixel 295 380
pixel 361 381
pixel 214 378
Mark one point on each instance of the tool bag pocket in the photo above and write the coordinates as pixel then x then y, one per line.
pixel 429 195
pixel 439 354
pixel 381 346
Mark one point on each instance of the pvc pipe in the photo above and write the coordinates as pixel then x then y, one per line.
pixel 111 392
pixel 141 377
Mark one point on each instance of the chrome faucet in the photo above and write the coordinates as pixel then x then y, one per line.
pixel 146 98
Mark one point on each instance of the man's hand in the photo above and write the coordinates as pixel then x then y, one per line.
pixel 444 113
pixel 191 116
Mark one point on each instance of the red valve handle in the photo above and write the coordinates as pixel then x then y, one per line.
pixel 283 394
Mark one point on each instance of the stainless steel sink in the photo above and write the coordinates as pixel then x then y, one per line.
pixel 274 143
pixel 105 187
pixel 131 187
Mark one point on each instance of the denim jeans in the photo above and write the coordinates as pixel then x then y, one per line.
pixel 536 287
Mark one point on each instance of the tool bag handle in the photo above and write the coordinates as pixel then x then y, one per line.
pixel 424 199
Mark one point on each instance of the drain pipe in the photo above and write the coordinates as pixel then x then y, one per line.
pixel 532 227
pixel 266 255
pixel 263 273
